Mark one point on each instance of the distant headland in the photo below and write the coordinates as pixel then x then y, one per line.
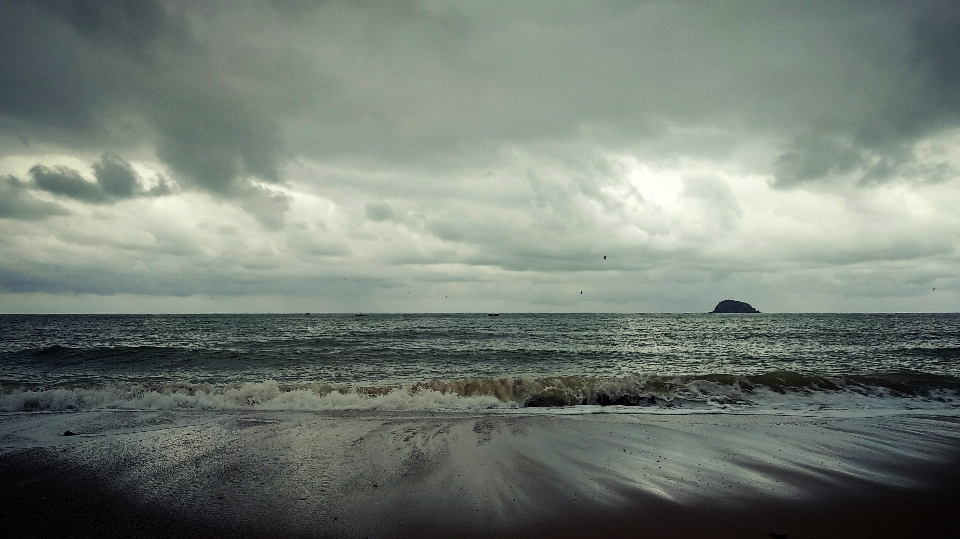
pixel 733 306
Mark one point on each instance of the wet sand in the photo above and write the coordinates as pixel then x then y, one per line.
pixel 296 474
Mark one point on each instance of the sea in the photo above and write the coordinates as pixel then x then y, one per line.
pixel 471 425
pixel 510 363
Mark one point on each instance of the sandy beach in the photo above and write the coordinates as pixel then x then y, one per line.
pixel 439 474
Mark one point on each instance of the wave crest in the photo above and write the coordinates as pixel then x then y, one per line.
pixel 706 391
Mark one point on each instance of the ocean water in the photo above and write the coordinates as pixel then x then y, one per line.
pixel 629 363
pixel 479 426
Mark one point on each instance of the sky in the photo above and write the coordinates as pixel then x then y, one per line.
pixel 470 156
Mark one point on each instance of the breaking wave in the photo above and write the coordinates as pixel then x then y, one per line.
pixel 715 391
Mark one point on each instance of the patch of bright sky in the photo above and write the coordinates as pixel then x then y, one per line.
pixel 19 164
pixel 658 186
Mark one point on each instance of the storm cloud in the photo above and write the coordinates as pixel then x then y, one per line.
pixel 113 180
pixel 114 75
pixel 16 202
pixel 488 153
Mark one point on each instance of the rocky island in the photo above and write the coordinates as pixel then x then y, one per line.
pixel 733 306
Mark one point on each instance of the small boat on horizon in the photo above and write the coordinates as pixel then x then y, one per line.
pixel 493 314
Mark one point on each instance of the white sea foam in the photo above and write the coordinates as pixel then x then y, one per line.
pixel 266 395
pixel 631 394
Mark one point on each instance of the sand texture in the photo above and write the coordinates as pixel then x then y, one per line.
pixel 445 474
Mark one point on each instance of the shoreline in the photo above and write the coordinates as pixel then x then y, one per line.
pixel 272 474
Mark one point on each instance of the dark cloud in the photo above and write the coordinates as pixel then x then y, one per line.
pixel 215 146
pixel 513 144
pixel 114 179
pixel 921 97
pixel 229 92
pixel 813 158
pixel 823 160
pixel 49 90
pixel 112 76
pixel 936 60
pixel 16 202
pixel 379 211
pixel 68 183
pixel 132 25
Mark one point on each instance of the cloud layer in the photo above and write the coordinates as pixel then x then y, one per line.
pixel 458 157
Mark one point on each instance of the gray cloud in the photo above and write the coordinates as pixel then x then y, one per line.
pixel 919 97
pixel 493 151
pixel 379 211
pixel 134 25
pixel 68 183
pixel 936 59
pixel 16 202
pixel 268 207
pixel 849 87
pixel 717 199
pixel 114 179
pixel 822 160
pixel 622 73
pixel 112 76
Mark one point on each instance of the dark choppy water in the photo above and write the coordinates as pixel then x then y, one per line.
pixel 517 359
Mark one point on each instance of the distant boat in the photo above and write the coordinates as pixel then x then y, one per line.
pixel 493 314
pixel 359 315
